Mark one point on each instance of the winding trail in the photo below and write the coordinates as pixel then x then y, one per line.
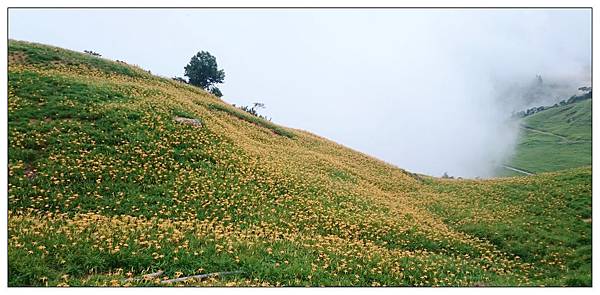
pixel 517 170
pixel 565 139
pixel 544 132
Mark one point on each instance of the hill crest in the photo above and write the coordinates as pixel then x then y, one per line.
pixel 104 184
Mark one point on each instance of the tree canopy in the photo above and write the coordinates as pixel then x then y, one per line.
pixel 202 71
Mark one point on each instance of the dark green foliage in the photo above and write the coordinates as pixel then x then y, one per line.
pixel 576 98
pixel 179 79
pixel 215 91
pixel 91 52
pixel 445 175
pixel 571 100
pixel 202 71
pixel 249 110
pixel 252 110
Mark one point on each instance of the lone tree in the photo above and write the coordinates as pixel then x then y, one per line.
pixel 202 71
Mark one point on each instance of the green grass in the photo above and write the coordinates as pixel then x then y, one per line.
pixel 104 185
pixel 240 114
pixel 543 153
pixel 543 208
pixel 573 121
pixel 538 152
pixel 49 56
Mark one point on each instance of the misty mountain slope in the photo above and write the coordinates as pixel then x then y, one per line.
pixel 104 185
pixel 556 138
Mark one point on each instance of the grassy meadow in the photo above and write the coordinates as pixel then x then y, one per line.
pixel 104 186
pixel 556 138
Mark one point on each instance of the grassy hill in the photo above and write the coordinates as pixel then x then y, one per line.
pixel 105 185
pixel 556 138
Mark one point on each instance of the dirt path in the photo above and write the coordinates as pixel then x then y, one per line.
pixel 517 170
pixel 565 139
pixel 544 132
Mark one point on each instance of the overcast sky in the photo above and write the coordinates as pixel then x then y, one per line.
pixel 427 90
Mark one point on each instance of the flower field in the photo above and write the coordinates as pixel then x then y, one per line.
pixel 104 186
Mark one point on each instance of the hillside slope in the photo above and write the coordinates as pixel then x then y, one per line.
pixel 105 185
pixel 556 138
